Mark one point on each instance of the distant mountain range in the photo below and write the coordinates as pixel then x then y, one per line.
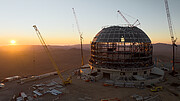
pixel 32 60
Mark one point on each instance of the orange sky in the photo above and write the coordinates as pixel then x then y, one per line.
pixel 57 24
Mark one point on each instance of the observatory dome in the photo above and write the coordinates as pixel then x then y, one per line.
pixel 116 33
pixel 121 48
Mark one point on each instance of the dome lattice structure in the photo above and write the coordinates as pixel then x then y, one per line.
pixel 118 47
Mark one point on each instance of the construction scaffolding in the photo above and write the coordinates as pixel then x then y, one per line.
pixel 119 47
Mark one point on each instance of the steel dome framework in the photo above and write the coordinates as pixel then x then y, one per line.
pixel 118 47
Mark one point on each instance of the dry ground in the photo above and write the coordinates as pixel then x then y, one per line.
pixel 80 90
pixel 19 61
pixel 32 60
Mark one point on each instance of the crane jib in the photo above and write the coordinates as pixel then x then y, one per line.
pixel 68 81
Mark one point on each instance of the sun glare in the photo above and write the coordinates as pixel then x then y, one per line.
pixel 13 42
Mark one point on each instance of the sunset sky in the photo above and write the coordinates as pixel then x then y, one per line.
pixel 56 21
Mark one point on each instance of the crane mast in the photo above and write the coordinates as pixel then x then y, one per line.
pixel 169 20
pixel 171 33
pixel 81 38
pixel 68 81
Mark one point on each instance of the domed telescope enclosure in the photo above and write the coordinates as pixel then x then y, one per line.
pixel 121 52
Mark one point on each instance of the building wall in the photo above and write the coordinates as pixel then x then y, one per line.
pixel 116 74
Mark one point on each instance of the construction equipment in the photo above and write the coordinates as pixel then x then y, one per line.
pixel 108 83
pixel 156 89
pixel 111 99
pixel 171 34
pixel 81 38
pixel 65 82
pixel 2 85
pixel 129 24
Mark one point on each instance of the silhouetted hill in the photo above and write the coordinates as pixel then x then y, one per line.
pixel 32 60
pixel 164 51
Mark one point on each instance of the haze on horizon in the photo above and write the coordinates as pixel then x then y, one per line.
pixel 56 22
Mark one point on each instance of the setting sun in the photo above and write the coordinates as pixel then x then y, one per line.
pixel 13 42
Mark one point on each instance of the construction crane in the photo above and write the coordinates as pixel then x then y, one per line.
pixel 81 38
pixel 65 82
pixel 129 24
pixel 171 34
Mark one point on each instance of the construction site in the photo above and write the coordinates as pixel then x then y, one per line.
pixel 119 66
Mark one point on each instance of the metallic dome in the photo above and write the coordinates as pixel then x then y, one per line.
pixel 115 33
pixel 118 47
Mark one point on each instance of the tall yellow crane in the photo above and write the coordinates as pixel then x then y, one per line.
pixel 171 34
pixel 65 82
pixel 81 38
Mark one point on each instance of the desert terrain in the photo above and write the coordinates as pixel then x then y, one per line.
pixel 32 60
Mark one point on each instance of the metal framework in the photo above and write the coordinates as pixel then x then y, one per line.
pixel 119 47
pixel 65 82
pixel 171 33
pixel 81 37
